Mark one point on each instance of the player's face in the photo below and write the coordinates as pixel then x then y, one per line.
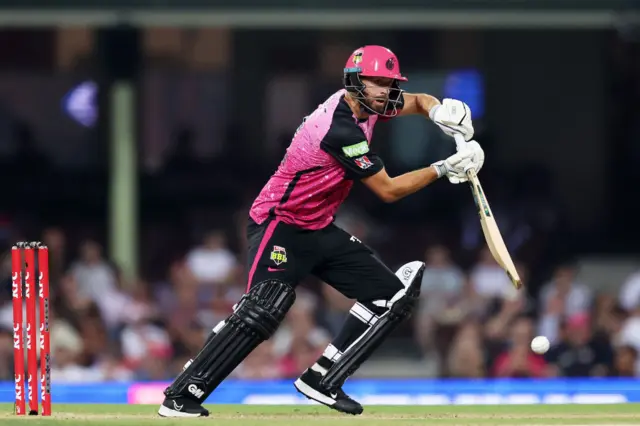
pixel 377 92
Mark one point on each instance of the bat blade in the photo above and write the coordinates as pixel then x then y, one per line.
pixel 492 233
pixel 489 225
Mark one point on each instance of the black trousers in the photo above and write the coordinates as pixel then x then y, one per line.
pixel 289 253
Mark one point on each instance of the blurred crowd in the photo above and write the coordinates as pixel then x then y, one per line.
pixel 470 323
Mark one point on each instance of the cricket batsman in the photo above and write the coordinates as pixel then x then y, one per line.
pixel 291 234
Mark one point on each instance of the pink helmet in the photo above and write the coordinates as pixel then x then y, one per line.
pixel 378 62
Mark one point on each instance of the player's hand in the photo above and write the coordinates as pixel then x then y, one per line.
pixel 453 117
pixel 477 159
pixel 457 166
pixel 476 162
pixel 454 167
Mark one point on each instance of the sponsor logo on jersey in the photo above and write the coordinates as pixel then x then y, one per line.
pixel 356 150
pixel 363 162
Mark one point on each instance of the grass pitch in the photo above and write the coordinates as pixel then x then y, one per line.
pixel 316 415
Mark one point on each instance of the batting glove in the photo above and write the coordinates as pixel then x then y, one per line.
pixel 453 117
pixel 456 166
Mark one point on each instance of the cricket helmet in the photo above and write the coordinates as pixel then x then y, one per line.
pixel 374 62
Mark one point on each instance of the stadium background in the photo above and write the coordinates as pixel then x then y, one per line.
pixel 133 140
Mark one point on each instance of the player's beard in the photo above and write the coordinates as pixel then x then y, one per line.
pixel 378 105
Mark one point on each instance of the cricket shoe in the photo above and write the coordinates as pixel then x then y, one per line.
pixel 309 385
pixel 182 407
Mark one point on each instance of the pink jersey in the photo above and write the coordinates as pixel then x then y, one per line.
pixel 329 150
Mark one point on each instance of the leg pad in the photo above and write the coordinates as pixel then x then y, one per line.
pixel 254 320
pixel 399 308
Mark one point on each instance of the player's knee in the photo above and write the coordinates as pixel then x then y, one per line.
pixel 404 298
pixel 376 304
pixel 367 312
pixel 264 307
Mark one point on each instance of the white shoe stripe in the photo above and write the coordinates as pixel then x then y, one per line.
pixel 313 394
pixel 168 412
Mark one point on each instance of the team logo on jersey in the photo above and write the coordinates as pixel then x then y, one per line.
pixel 356 150
pixel 363 162
pixel 279 255
pixel 357 58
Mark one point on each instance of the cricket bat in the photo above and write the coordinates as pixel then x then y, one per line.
pixel 489 226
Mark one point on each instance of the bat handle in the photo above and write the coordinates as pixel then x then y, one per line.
pixel 460 142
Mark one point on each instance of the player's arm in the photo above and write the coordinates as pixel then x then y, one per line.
pixel 452 116
pixel 418 103
pixel 348 145
pixel 390 189
pixel 454 168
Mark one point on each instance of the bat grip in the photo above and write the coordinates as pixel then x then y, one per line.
pixel 460 142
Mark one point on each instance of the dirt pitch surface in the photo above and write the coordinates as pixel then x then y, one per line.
pixel 257 415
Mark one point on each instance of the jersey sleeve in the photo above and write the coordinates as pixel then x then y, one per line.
pixel 349 146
